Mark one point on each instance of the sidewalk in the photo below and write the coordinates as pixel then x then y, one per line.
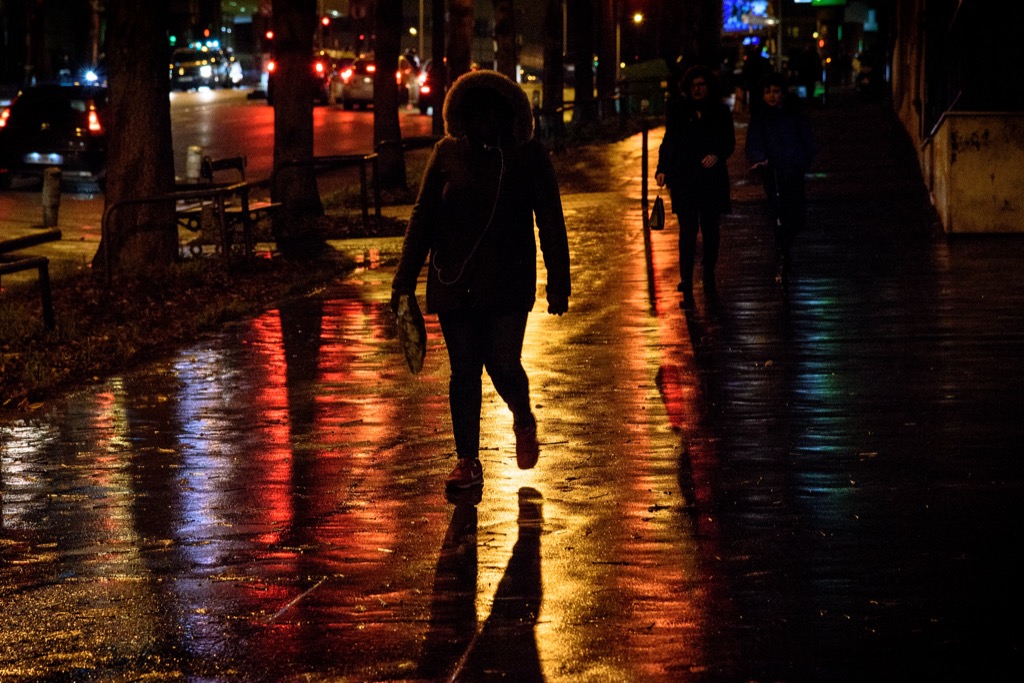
pixel 822 486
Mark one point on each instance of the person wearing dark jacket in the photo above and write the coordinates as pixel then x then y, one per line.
pixel 699 137
pixel 780 145
pixel 485 183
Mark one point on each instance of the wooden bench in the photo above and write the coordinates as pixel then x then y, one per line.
pixel 233 211
pixel 15 263
pixel 212 195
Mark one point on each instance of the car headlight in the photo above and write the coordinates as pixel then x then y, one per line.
pixel 206 71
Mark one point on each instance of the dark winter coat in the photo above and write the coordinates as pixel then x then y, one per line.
pixel 782 136
pixel 692 131
pixel 474 216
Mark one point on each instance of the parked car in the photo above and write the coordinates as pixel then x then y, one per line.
pixel 200 67
pixel 337 83
pixel 357 82
pixel 324 69
pixel 408 78
pixel 61 126
pixel 430 87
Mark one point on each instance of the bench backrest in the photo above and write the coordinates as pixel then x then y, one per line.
pixel 210 167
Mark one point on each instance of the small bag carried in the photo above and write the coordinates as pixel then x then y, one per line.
pixel 412 332
pixel 656 221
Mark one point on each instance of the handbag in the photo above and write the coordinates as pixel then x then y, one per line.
pixel 412 331
pixel 656 221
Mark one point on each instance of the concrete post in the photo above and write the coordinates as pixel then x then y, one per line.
pixel 193 164
pixel 51 196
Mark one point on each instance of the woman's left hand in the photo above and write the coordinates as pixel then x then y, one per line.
pixel 557 305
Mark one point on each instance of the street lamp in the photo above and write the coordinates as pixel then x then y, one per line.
pixel 637 19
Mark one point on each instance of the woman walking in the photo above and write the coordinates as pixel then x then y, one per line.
pixel 484 184
pixel 699 138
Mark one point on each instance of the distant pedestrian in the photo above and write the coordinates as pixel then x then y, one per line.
pixel 484 184
pixel 699 138
pixel 780 145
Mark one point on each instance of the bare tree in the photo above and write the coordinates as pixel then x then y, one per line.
pixel 439 63
pixel 698 35
pixel 95 12
pixel 553 82
pixel 460 37
pixel 293 182
pixel 140 159
pixel 581 33
pixel 506 56
pixel 607 23
pixel 387 132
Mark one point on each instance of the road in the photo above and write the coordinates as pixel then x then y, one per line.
pixel 227 123
pixel 223 123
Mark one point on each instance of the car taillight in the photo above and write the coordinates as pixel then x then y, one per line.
pixel 346 75
pixel 424 89
pixel 319 68
pixel 4 116
pixel 271 66
pixel 398 77
pixel 94 122
pixel 371 68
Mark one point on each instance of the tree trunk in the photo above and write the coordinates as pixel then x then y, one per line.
pixel 506 58
pixel 293 183
pixel 95 13
pixel 553 82
pixel 606 66
pixel 437 56
pixel 140 160
pixel 698 37
pixel 460 37
pixel 581 31
pixel 387 133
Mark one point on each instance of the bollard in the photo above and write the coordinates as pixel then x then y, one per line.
pixel 193 164
pixel 51 196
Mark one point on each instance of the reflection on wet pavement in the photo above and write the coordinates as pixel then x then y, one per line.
pixel 812 487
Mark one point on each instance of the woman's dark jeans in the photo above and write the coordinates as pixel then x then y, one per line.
pixel 690 222
pixel 787 205
pixel 478 340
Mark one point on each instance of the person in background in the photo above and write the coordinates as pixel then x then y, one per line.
pixel 780 145
pixel 699 137
pixel 485 182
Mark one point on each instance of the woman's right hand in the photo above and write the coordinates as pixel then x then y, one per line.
pixel 395 296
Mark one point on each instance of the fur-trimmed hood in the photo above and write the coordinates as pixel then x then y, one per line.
pixel 456 113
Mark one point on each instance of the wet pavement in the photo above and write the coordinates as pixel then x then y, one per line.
pixel 819 484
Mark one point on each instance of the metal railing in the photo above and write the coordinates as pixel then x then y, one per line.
pixel 218 195
pixel 339 161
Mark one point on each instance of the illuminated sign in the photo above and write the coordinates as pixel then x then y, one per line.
pixel 743 15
